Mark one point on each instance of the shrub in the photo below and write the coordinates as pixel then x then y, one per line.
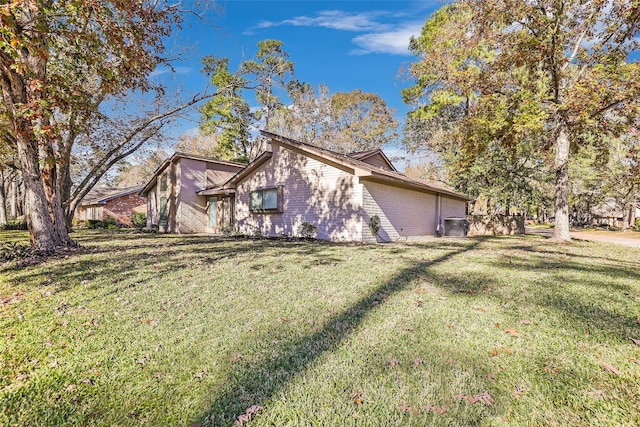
pixel 93 223
pixel 110 223
pixel 374 225
pixel 14 225
pixel 139 220
pixel 13 250
pixel 307 230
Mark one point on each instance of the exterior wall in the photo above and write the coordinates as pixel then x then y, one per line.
pixel 85 213
pixel 191 209
pixel 122 208
pixel 218 174
pixel 153 207
pixel 402 212
pixel 453 208
pixel 313 192
pixel 378 161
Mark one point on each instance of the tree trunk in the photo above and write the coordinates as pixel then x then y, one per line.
pixel 3 200
pixel 13 203
pixel 39 221
pixel 561 230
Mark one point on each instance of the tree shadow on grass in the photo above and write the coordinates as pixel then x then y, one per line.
pixel 254 385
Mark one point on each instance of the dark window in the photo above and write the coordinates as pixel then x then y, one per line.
pixel 268 200
pixel 163 182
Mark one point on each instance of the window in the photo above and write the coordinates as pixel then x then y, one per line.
pixel 267 200
pixel 163 182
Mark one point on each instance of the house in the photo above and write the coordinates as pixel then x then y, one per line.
pixel 611 213
pixel 173 202
pixel 296 183
pixel 118 203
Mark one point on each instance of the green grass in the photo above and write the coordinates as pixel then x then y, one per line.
pixel 177 330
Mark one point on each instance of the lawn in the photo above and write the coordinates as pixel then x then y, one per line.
pixel 179 330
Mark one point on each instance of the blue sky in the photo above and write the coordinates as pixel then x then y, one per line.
pixel 346 45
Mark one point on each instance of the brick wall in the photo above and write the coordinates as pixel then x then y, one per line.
pixel 122 208
pixel 313 191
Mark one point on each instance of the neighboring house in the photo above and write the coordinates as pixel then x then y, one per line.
pixel 611 213
pixel 297 183
pixel 173 204
pixel 118 203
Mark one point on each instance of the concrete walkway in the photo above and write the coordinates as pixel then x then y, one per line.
pixel 631 239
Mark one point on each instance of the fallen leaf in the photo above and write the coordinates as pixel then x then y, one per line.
pixel 497 324
pixel 506 350
pixel 611 368
pixel 394 362
pixel 635 341
pixel 460 397
pixel 513 332
pixel 491 377
pixel 484 397
pixel 518 391
pixel 357 399
pixel 551 370
pixel 53 364
pixel 248 415
pixel 236 358
pixel 494 353
pixel 408 329
pixel 200 375
pixel 285 319
pixel 404 408
pixel 418 362
pixel 419 303
pixel 480 309
pixel 525 322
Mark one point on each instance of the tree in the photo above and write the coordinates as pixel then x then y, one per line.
pixel 51 54
pixel 228 115
pixel 344 122
pixel 305 118
pixel 359 121
pixel 546 70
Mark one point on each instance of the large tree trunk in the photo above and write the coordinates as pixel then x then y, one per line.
pixel 561 230
pixel 39 221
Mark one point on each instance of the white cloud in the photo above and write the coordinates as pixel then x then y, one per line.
pixel 334 19
pixel 166 70
pixel 394 42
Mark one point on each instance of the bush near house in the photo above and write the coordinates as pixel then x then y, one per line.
pixel 139 220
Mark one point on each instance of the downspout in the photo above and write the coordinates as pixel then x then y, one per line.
pixel 439 230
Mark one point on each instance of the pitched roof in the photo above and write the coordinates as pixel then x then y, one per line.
pixel 101 195
pixel 179 155
pixel 362 155
pixel 360 168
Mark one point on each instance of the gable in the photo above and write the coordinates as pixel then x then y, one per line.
pixel 379 161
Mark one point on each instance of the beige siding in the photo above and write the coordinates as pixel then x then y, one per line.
pixel 402 212
pixel 453 208
pixel 313 192
pixel 153 207
pixel 191 209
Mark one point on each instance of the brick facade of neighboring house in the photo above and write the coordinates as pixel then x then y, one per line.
pixel 119 203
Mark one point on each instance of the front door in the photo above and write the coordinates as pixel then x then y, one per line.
pixel 213 212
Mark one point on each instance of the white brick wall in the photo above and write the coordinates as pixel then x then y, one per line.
pixel 313 192
pixel 402 212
